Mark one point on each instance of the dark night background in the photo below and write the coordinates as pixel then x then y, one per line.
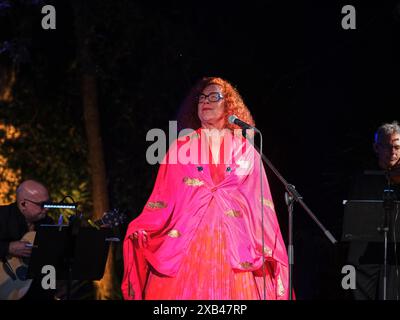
pixel 316 91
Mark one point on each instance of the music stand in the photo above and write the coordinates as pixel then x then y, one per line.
pixel 371 220
pixel 362 219
pixel 75 257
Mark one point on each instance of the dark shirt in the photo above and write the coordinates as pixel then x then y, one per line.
pixel 13 226
pixel 370 185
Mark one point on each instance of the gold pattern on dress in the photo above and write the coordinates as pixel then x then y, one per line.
pixel 193 182
pixel 268 203
pixel 268 252
pixel 281 289
pixel 156 204
pixel 233 213
pixel 246 265
pixel 174 233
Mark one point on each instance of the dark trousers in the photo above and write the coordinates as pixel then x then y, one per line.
pixel 370 282
pixel 368 262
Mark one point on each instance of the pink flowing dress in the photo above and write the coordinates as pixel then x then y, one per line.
pixel 203 225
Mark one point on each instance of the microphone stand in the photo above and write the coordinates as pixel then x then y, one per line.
pixel 291 196
pixel 388 205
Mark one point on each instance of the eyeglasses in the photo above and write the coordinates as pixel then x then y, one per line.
pixel 40 204
pixel 211 97
pixel 389 147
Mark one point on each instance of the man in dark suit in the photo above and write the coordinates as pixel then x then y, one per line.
pixel 18 218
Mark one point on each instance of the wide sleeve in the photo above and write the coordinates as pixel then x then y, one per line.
pixel 153 219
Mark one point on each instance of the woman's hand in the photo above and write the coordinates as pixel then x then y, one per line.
pixel 142 238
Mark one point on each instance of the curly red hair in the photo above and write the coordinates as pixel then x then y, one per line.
pixel 234 104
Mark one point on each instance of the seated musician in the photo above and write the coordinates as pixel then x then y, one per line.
pixel 16 220
pixel 368 257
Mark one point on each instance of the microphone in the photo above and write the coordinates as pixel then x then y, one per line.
pixel 235 120
pixel 58 205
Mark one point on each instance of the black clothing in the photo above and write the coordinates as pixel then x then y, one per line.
pixel 368 256
pixel 13 226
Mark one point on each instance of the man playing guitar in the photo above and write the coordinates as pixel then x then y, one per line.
pixel 16 220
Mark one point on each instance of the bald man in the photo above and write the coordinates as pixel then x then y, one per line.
pixel 24 215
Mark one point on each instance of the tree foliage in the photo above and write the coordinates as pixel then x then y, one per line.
pixel 45 110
